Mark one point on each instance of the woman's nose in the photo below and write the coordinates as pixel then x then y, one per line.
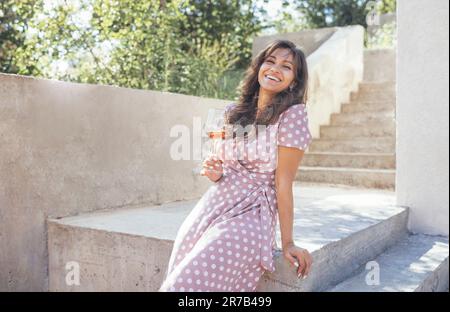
pixel 274 70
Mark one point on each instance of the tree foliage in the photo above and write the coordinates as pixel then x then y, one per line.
pixel 331 13
pixel 14 17
pixel 197 47
pixel 183 46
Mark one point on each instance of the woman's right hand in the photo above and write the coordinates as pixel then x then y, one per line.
pixel 212 168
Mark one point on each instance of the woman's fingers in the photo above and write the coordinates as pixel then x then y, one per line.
pixel 213 169
pixel 302 262
pixel 214 166
pixel 212 162
pixel 309 263
pixel 291 259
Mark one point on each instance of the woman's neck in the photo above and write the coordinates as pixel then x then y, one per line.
pixel 264 99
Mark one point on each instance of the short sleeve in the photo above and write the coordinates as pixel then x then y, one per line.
pixel 293 130
pixel 227 109
pixel 229 106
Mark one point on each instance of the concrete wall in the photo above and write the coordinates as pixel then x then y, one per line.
pixel 68 148
pixel 422 114
pixel 308 40
pixel 379 65
pixel 335 70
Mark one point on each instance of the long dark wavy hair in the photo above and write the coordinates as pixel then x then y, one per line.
pixel 244 113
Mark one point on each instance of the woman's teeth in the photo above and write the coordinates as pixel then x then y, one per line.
pixel 272 78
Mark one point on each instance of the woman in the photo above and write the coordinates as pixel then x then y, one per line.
pixel 227 241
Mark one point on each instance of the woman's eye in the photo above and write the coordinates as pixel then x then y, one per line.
pixel 269 61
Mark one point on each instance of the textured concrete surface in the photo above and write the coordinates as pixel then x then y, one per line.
pixel 365 178
pixel 366 145
pixel 349 160
pixel 69 148
pixel 423 114
pixel 410 265
pixel 363 118
pixel 338 62
pixel 110 244
pixel 372 60
pixel 367 106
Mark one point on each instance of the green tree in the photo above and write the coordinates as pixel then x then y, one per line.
pixel 14 17
pixel 330 13
pixel 210 20
pixel 148 44
pixel 387 6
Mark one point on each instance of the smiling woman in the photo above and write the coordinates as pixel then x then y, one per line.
pixel 276 79
pixel 227 242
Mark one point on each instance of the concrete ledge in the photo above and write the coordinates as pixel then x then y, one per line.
pixel 70 148
pixel 128 249
pixel 436 280
pixel 338 260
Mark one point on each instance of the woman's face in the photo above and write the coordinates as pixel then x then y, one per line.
pixel 278 65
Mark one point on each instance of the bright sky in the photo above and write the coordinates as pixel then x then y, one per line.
pixel 272 7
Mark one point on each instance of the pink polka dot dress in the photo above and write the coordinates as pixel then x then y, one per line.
pixel 228 239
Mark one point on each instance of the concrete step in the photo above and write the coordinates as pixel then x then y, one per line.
pixel 368 106
pixel 416 263
pixel 365 178
pixel 369 130
pixel 382 118
pixel 378 86
pixel 129 249
pixel 384 95
pixel 334 225
pixel 350 160
pixel 367 145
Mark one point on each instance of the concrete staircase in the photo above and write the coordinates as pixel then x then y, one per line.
pixel 415 263
pixel 357 148
pixel 344 228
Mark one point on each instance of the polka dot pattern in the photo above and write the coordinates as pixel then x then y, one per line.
pixel 293 128
pixel 227 241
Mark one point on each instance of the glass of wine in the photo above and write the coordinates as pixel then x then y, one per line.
pixel 215 132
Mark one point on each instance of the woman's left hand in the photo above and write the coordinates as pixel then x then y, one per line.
pixel 299 257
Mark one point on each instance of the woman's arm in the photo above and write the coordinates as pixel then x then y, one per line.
pixel 288 162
